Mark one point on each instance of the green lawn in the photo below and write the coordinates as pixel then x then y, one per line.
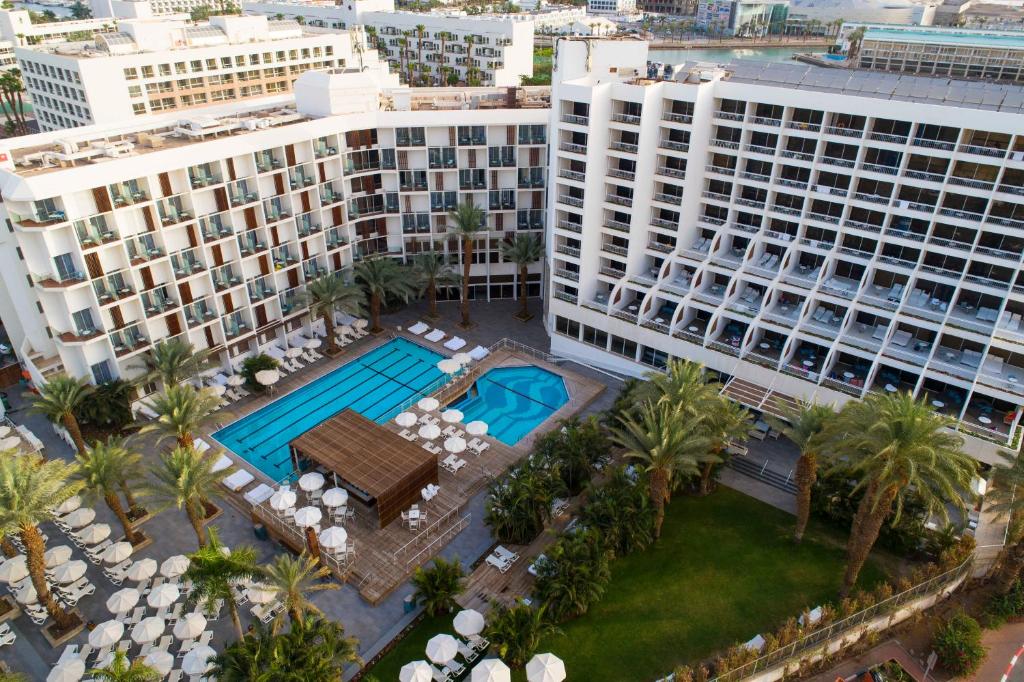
pixel 724 570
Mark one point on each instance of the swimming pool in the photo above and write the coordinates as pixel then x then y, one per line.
pixel 375 385
pixel 513 400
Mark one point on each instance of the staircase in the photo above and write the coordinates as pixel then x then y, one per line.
pixel 759 472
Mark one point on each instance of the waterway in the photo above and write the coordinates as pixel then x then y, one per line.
pixel 59 10
pixel 729 54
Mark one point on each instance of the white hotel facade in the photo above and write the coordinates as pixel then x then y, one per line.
pixel 211 233
pixel 808 234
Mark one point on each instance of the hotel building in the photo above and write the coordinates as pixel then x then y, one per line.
pixel 156 65
pixel 807 233
pixel 209 229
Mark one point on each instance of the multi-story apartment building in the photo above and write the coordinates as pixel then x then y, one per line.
pixel 808 234
pixel 164 65
pixel 743 17
pixel 973 54
pixel 618 7
pixel 479 50
pixel 209 229
pixel 16 27
pixel 141 9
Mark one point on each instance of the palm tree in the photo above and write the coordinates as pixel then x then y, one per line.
pixel 684 384
pixel 120 670
pixel 30 487
pixel 524 251
pixel 213 572
pixel 516 631
pixel 574 574
pixel 380 278
pixel 724 421
pixel 182 411
pixel 667 444
pixel 442 69
pixel 438 586
pixel 806 424
pixel 185 479
pixel 294 578
pixel 467 225
pixel 621 512
pixel 326 294
pixel 102 472
pixel 420 32
pixel 893 444
pixel 432 270
pixel 470 67
pixel 313 650
pixel 1006 499
pixel 518 506
pixel 855 38
pixel 13 89
pixel 176 360
pixel 58 400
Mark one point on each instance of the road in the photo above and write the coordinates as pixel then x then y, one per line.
pixel 1005 661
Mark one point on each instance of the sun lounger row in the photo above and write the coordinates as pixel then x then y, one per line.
pixel 453 464
pixel 501 558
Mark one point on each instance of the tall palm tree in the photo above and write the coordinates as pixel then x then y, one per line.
pixel 806 424
pixel 432 270
pixel 684 384
pixel 294 578
pixel 326 294
pixel 855 38
pixel 382 277
pixel 724 421
pixel 438 586
pixel 30 487
pixel 467 224
pixel 574 574
pixel 524 251
pixel 213 572
pixel 893 444
pixel 176 360
pixel 120 670
pixel 185 479
pixel 58 399
pixel 667 444
pixel 182 411
pixel 420 32
pixel 443 58
pixel 102 471
pixel 471 79
pixel 516 631
pixel 1006 499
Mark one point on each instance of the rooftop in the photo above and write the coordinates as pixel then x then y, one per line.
pixel 1011 40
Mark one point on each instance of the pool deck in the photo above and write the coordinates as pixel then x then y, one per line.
pixel 384 558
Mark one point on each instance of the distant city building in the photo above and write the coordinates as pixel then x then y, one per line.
pixel 611 6
pixel 975 54
pixel 679 8
pixel 163 65
pixel 979 14
pixel 16 26
pixel 743 17
pixel 144 9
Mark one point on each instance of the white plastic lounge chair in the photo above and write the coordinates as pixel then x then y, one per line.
pixel 497 563
pixel 479 353
pixel 201 445
pixel 418 328
pixel 435 336
pixel 238 480
pixel 221 464
pixel 455 343
pixel 260 493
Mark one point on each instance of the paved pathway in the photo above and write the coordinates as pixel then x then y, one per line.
pixel 1004 653
pixel 885 651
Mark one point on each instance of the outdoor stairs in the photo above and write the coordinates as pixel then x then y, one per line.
pixel 756 470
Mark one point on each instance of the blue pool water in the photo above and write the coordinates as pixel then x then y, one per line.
pixel 513 400
pixel 375 385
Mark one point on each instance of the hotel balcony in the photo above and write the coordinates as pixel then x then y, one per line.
pixel 198 313
pixel 94 231
pixel 111 289
pixel 128 340
pixel 157 301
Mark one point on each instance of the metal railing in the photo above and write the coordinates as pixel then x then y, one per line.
pixel 443 538
pixel 511 344
pixel 444 518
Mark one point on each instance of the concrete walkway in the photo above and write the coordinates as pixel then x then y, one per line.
pixel 891 649
pixel 1004 647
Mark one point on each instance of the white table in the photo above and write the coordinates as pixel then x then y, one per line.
pixel 848 375
pixel 764 346
pixel 693 329
pixel 808 363
pixel 938 403
pixel 890 388
pixel 984 420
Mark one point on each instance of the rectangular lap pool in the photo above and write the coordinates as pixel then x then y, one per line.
pixel 513 400
pixel 375 385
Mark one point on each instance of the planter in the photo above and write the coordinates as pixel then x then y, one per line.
pixel 58 638
pixel 145 516
pixel 8 609
pixel 144 541
pixel 212 512
pixel 523 318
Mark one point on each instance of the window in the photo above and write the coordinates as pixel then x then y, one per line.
pixel 147 71
pixel 595 337
pixel 564 325
pixel 164 69
pixel 83 322
pixel 131 74
pixel 101 372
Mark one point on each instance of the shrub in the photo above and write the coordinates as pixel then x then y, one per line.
pixel 515 632
pixel 518 506
pixel 1003 607
pixel 622 513
pixel 257 363
pixel 573 575
pixel 438 586
pixel 573 451
pixel 958 644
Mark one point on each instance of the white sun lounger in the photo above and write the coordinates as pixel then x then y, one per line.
pixel 260 493
pixel 418 328
pixel 221 464
pixel 200 445
pixel 479 353
pixel 455 343
pixel 238 480
pixel 435 336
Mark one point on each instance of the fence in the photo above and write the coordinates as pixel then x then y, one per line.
pixel 445 518
pixel 443 538
pixel 513 345
pixel 813 642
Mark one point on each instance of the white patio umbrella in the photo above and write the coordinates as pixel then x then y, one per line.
pixel 346 330
pixel 81 517
pixel 452 416
pixel 308 516
pixel 267 377
pixel 449 366
pixel 455 445
pixel 107 633
pixel 4 430
pixel 163 595
pixel 314 480
pixel 160 661
pixel 217 389
pixel 335 497
pixel 13 570
pixel 333 537
pixel 491 670
pixel 69 572
pixel 417 671
pixel 143 569
pixel 117 552
pixel 57 555
pixel 97 532
pixel 190 626
pixel 430 431
pixel 462 358
pixel 260 595
pixel 70 670
pixel 123 600
pixel 174 566
pixel 105 662
pixel 10 443
pixel 236 380
pixel 26 594
pixel 360 323
pixel 293 352
pixel 148 629
pixel 545 668
pixel 476 428
pixel 428 404
pixel 405 419
pixel 314 343
pixel 198 661
pixel 282 499
pixel 468 622
pixel 442 648
pixel 69 505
